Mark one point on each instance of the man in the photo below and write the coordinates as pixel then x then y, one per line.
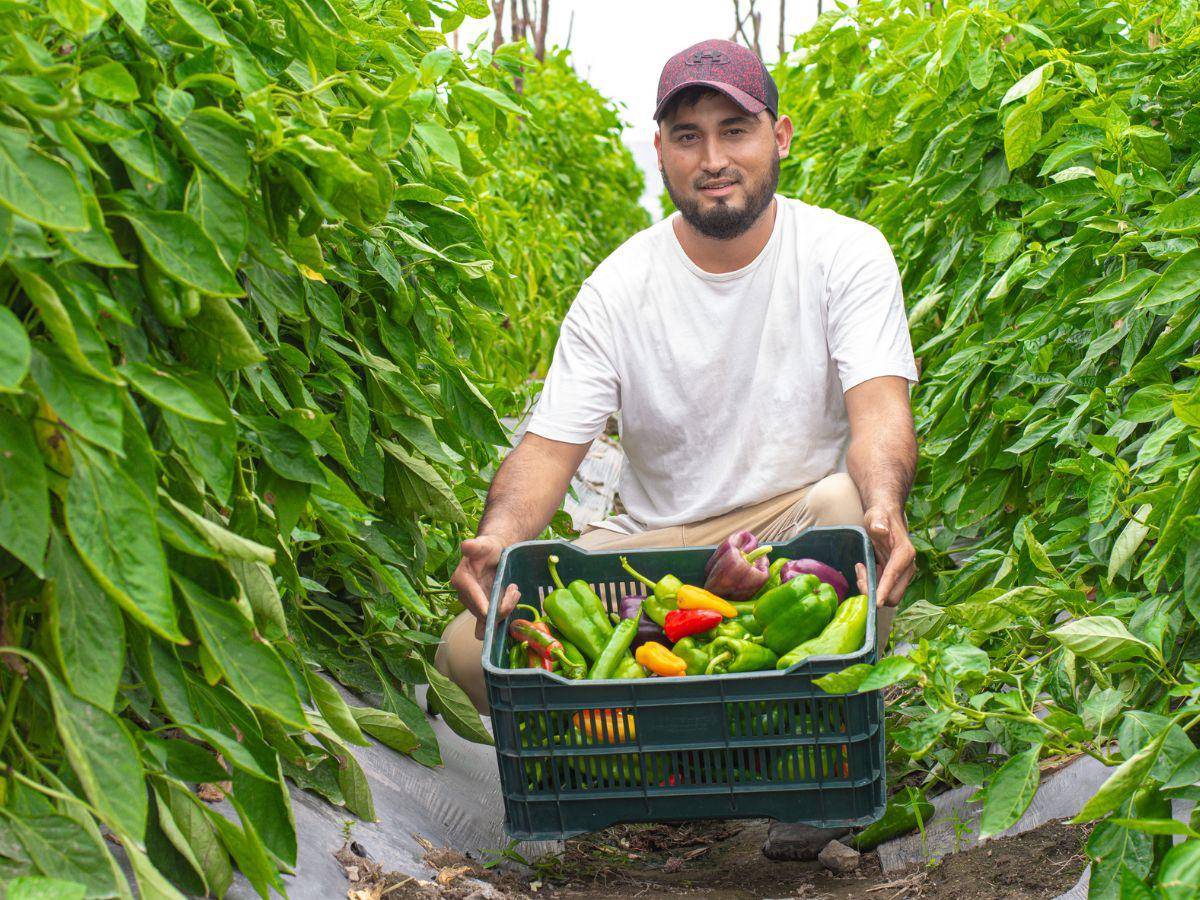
pixel 756 347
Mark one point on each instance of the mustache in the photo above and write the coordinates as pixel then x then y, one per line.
pixel 733 179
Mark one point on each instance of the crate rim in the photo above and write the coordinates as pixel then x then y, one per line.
pixel 858 655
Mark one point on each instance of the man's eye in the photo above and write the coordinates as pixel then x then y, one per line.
pixel 685 138
pixel 737 131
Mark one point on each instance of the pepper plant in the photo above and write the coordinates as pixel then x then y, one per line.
pixel 1035 166
pixel 254 265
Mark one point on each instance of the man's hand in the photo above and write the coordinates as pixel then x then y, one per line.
pixel 473 577
pixel 895 556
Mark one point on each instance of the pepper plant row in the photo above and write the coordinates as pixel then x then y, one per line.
pixel 1036 168
pixel 266 268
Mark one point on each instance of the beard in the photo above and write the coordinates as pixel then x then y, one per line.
pixel 724 222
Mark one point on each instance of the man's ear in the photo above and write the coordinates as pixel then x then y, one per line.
pixel 784 130
pixel 658 146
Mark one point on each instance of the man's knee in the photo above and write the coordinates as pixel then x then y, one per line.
pixel 459 658
pixel 834 500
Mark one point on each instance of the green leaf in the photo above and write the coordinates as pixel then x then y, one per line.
pixel 1179 873
pixel 38 187
pixel 90 406
pixel 846 681
pixel 1099 638
pixel 1124 780
pixel 1179 215
pixel 110 81
pixel 1022 132
pixel 252 668
pixel 460 714
pixel 259 587
pixel 1010 792
pixel 63 846
pixel 217 338
pixel 87 630
pixel 200 21
pixel 133 12
pixel 387 728
pixel 24 498
pixel 889 671
pixel 38 888
pixel 1129 540
pixel 965 660
pixel 221 214
pixel 334 709
pixel 14 351
pixel 219 144
pixel 170 390
pixel 440 141
pixel 1030 82
pixel 1177 284
pixel 113 527
pixel 221 539
pixel 190 832
pixel 76 337
pixel 179 245
pixel 1156 826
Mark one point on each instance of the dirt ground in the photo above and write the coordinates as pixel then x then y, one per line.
pixel 724 860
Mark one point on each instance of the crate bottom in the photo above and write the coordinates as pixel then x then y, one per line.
pixel 557 818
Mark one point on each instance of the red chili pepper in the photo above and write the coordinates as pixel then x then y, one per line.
pixel 680 623
pixel 542 645
pixel 535 660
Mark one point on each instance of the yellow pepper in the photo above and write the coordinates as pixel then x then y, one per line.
pixel 691 597
pixel 659 660
pixel 605 726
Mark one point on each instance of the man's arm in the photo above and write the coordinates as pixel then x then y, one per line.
pixel 525 493
pixel 882 460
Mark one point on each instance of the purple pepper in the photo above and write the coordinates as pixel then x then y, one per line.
pixel 737 568
pixel 648 629
pixel 826 573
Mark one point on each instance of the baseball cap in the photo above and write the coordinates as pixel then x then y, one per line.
pixel 730 68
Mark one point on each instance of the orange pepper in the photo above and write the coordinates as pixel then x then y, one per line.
pixel 659 660
pixel 605 725
pixel 691 597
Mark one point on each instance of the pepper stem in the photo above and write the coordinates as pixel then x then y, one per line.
pixel 758 553
pixel 638 575
pixel 715 661
pixel 537 613
pixel 571 669
pixel 552 563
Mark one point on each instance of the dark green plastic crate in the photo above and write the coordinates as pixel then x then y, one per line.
pixel 755 744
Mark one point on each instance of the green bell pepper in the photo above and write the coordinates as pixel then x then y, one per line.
pixel 662 601
pixel 693 651
pixel 795 611
pixel 578 614
pixel 733 655
pixel 772 582
pixel 844 634
pixel 628 667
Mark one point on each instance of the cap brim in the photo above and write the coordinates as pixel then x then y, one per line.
pixel 737 95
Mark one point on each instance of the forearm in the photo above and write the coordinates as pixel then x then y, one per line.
pixel 882 460
pixel 528 488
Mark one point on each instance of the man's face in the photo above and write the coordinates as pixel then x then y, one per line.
pixel 720 165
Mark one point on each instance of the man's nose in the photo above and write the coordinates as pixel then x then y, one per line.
pixel 715 159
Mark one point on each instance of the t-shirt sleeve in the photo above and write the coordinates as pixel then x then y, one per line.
pixel 867 328
pixel 582 388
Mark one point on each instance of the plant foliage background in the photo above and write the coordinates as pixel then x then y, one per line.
pixel 1035 166
pixel 269 270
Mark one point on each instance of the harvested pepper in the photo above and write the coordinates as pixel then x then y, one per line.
pixel 737 568
pixel 905 811
pixel 617 647
pixel 795 612
pixel 578 614
pixel 774 578
pixel 518 655
pixel 605 725
pixel 682 622
pixel 691 597
pixel 734 655
pixel 844 634
pixel 544 644
pixel 659 660
pixel 662 601
pixel 533 660
pixel 694 652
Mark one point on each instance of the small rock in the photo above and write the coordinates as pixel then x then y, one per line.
pixel 804 842
pixel 838 858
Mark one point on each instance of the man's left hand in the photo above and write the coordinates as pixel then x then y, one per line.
pixel 894 555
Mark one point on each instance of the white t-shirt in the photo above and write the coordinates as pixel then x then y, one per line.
pixel 729 385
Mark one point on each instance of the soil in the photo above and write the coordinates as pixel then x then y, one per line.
pixel 723 860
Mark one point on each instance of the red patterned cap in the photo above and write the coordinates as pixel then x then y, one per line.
pixel 730 68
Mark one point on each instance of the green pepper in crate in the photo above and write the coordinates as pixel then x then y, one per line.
pixel 662 601
pixel 693 651
pixel 615 650
pixel 578 614
pixel 734 655
pixel 795 611
pixel 844 634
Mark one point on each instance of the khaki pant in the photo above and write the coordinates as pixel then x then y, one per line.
pixel 833 500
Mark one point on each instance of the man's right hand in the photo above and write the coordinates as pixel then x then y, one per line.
pixel 473 579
